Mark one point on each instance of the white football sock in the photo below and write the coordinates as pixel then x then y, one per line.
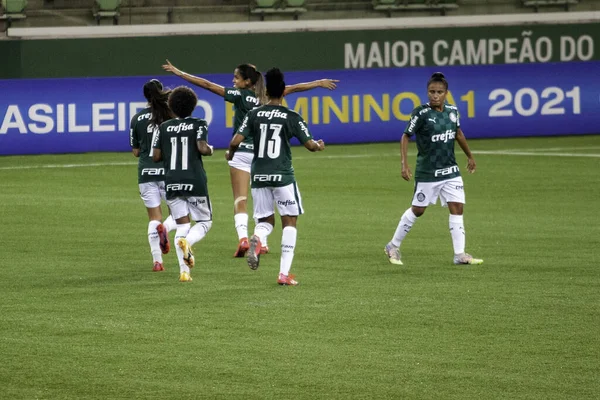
pixel 288 244
pixel 182 231
pixel 241 225
pixel 154 241
pixel 406 222
pixel 170 224
pixel 263 230
pixel 198 232
pixel 457 231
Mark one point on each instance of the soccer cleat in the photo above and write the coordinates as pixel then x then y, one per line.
pixel 393 254
pixel 188 255
pixel 158 267
pixel 264 249
pixel 466 258
pixel 163 236
pixel 254 252
pixel 287 280
pixel 185 277
pixel 242 248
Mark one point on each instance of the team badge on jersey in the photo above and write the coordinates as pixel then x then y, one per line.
pixel 452 117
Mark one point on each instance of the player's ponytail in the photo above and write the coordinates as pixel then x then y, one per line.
pixel 438 77
pixel 259 88
pixel 157 98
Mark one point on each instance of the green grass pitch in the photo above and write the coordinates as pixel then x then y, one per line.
pixel 83 317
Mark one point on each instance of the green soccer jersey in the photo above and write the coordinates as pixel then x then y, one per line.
pixel 243 101
pixel 177 139
pixel 270 129
pixel 140 137
pixel 434 133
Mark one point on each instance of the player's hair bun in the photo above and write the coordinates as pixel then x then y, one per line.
pixel 438 75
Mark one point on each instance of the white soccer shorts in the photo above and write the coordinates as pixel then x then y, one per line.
pixel 241 160
pixel 287 198
pixel 449 191
pixel 152 193
pixel 199 208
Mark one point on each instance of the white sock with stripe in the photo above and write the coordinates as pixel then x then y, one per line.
pixel 198 232
pixel 241 225
pixel 457 232
pixel 288 244
pixel 404 226
pixel 154 241
pixel 263 230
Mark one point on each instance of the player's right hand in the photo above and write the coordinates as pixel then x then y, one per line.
pixel 406 173
pixel 321 144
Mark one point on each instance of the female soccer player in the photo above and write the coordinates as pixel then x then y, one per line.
pixel 151 175
pixel 270 128
pixel 181 143
pixel 247 93
pixel 436 125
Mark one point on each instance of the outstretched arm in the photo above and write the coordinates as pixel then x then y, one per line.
pixel 195 80
pixel 315 145
pixel 462 142
pixel 302 87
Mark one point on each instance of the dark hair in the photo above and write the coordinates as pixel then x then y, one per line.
pixel 182 101
pixel 275 83
pixel 438 77
pixel 157 98
pixel 249 71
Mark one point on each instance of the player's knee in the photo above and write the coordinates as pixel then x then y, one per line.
pixel 418 211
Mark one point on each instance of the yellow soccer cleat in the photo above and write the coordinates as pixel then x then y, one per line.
pixel 393 254
pixel 466 258
pixel 188 254
pixel 185 277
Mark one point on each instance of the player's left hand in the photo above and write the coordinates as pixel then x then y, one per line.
pixel 328 83
pixel 227 156
pixel 471 165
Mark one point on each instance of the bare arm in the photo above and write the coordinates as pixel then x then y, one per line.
pixel 195 80
pixel 302 87
pixel 204 148
pixel 233 145
pixel 136 152
pixel 315 145
pixel 406 172
pixel 462 142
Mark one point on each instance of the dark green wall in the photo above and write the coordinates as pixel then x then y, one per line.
pixel 297 51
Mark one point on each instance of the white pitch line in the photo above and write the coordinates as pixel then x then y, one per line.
pixel 533 153
pixel 507 152
pixel 555 149
pixel 47 166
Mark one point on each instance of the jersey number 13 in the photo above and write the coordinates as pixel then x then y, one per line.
pixel 272 145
